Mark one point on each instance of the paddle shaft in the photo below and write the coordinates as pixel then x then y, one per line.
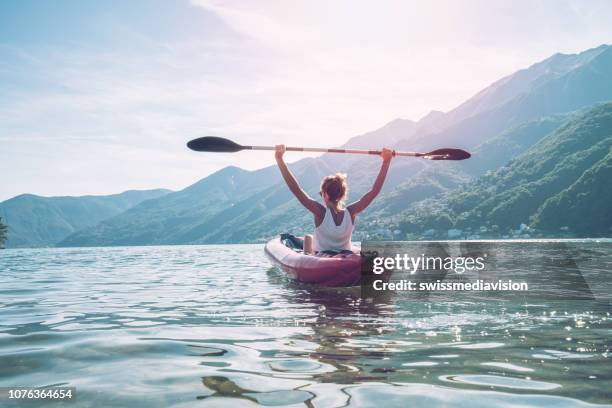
pixel 322 150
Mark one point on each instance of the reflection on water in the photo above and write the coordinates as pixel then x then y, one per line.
pixel 216 326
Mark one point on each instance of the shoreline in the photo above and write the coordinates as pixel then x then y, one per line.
pixel 507 240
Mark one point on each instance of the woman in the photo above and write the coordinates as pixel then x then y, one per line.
pixel 333 223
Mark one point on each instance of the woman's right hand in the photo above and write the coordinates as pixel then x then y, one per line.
pixel 280 150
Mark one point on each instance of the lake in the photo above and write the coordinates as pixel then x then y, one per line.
pixel 218 326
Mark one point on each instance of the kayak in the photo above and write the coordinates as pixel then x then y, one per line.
pixel 343 269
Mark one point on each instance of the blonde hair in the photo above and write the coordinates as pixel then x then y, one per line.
pixel 336 187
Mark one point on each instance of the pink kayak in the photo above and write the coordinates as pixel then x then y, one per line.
pixel 322 269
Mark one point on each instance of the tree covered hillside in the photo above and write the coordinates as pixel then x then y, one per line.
pixel 35 221
pixel 561 181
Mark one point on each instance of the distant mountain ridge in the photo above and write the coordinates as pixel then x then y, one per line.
pixel 499 123
pixel 44 221
pixel 523 82
pixel 559 84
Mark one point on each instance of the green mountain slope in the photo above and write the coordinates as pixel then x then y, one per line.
pixel 35 221
pixel 437 178
pixel 502 148
pixel 585 205
pixel 177 217
pixel 559 181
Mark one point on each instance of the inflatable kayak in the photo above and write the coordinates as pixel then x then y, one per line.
pixel 343 269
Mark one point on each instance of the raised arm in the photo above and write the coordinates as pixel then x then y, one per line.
pixel 363 203
pixel 293 185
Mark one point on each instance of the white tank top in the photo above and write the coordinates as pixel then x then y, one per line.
pixel 331 237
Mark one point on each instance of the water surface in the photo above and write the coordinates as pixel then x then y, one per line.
pixel 217 326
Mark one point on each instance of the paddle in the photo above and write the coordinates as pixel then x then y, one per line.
pixel 221 145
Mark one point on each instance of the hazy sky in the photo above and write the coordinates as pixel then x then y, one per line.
pixel 98 97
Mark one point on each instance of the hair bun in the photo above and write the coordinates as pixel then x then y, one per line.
pixel 335 186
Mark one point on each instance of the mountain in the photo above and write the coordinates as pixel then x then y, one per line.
pixel 524 82
pixel 560 181
pixel 498 123
pixel 35 221
pixel 179 217
pixel 559 84
pixel 509 116
pixel 438 178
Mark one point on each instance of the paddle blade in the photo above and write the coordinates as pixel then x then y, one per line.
pixel 214 144
pixel 447 154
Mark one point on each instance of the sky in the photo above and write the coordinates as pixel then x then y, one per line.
pixel 99 97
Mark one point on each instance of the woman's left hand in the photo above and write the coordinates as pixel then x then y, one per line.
pixel 387 154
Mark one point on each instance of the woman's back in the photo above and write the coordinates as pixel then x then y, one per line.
pixel 329 236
